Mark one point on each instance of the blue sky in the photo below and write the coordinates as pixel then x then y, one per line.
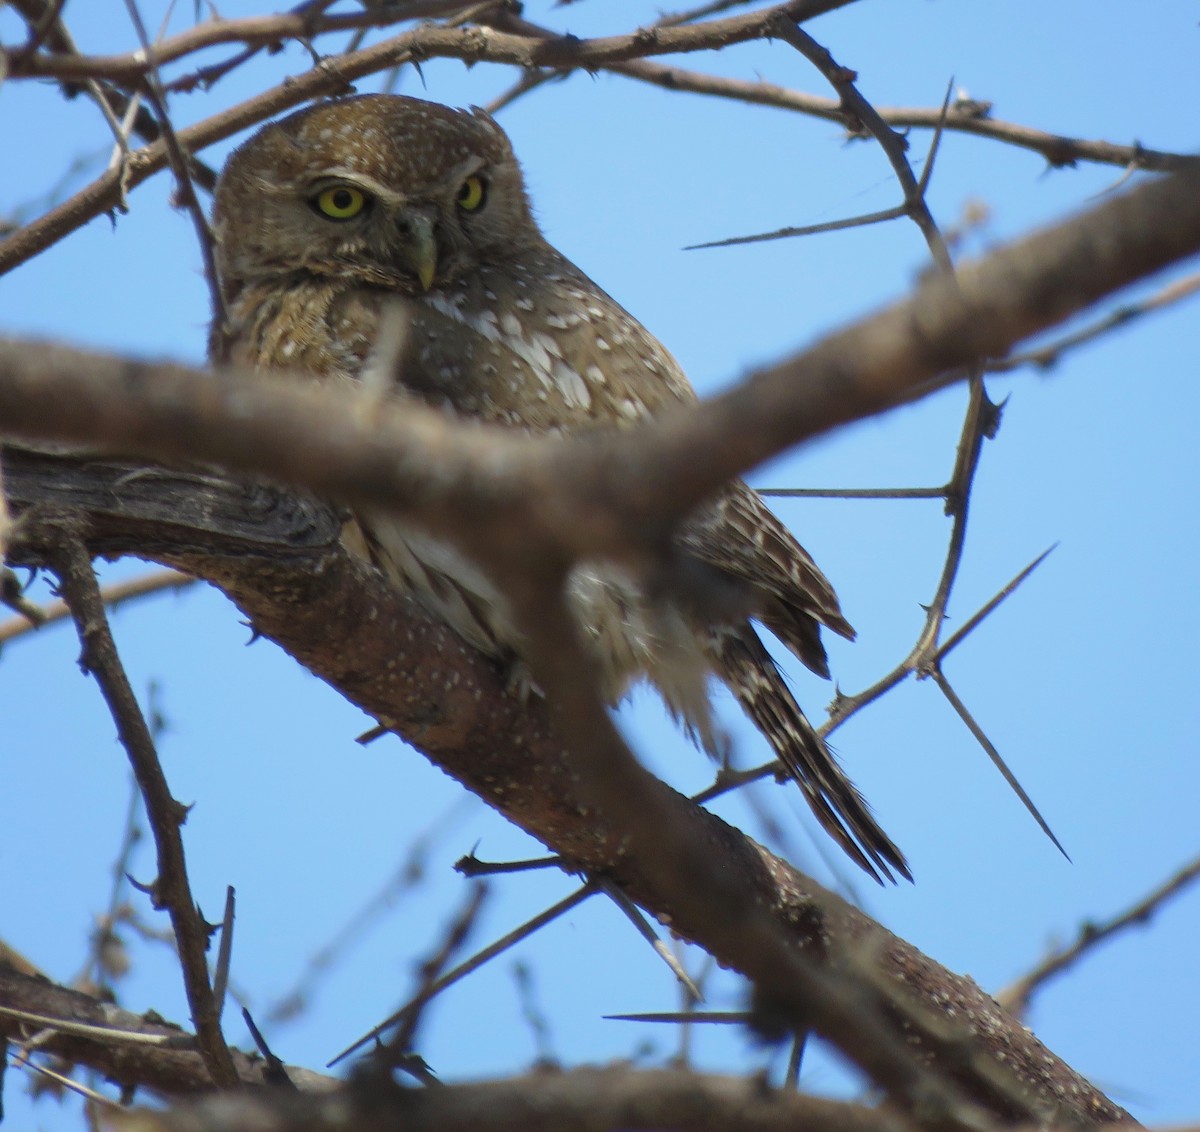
pixel 1085 679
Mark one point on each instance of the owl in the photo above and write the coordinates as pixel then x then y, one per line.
pixel 382 217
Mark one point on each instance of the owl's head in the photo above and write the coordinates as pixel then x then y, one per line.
pixel 382 189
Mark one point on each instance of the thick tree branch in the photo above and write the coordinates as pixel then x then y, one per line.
pixel 127 1048
pixel 583 497
pixel 583 1100
pixel 279 558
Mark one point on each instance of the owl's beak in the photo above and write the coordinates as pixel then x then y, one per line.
pixel 419 250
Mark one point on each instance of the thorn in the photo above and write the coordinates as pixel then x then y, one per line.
pixel 996 758
pixel 274 1073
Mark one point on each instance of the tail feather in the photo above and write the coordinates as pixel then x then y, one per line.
pixel 743 663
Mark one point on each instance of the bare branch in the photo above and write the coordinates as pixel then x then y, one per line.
pixel 112 595
pixel 854 492
pixel 1049 355
pixel 473 964
pixel 171 889
pixel 473 43
pixel 431 972
pixel 893 144
pixel 964 116
pixel 1017 997
pixel 333 75
pixel 130 1049
pixel 428 468
pixel 583 1099
pixel 309 435
pixel 179 159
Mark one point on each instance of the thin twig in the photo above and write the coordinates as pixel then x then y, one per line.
pixel 533 1015
pixel 853 492
pixel 12 594
pixel 791 1077
pixel 171 889
pixel 406 877
pixel 893 144
pixel 111 595
pixel 966 116
pixel 678 1017
pixel 85 1029
pixel 185 190
pixel 913 193
pixel 207 76
pixel 402 1041
pixel 116 105
pixel 1016 997
pixel 97 966
pixel 474 963
pixel 44 26
pixel 23 1059
pixel 276 1072
pixel 881 217
pixel 472 866
pixel 1049 355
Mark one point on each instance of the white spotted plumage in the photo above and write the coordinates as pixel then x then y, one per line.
pixel 500 327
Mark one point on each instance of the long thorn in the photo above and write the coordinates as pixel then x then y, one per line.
pixel 994 755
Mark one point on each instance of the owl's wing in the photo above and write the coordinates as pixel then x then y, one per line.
pixel 751 673
pixel 738 534
pixel 741 536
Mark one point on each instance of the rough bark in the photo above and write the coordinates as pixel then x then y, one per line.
pixel 278 557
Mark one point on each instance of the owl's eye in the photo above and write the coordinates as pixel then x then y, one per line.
pixel 342 202
pixel 472 194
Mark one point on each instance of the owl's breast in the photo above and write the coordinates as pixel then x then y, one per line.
pixel 544 351
pixel 491 365
pixel 317 326
pixel 541 353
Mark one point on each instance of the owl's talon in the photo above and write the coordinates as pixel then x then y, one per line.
pixel 520 682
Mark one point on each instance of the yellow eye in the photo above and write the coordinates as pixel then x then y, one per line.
pixel 341 202
pixel 472 194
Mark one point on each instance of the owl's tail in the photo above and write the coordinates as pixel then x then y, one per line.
pixel 743 663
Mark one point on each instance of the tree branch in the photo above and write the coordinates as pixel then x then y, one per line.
pixel 171 890
pixel 134 1051
pixel 526 510
pixel 280 559
pixel 583 1100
